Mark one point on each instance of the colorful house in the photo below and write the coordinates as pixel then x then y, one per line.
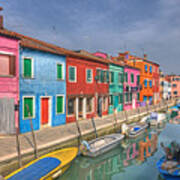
pixel 9 82
pixel 175 85
pixel 87 86
pixel 131 87
pixel 116 80
pixel 149 76
pixel 42 85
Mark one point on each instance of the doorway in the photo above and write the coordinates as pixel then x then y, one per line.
pixel 45 111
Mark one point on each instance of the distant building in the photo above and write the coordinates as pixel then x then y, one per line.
pixel 149 77
pixel 9 82
pixel 131 87
pixel 175 85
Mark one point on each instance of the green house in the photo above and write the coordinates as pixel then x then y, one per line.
pixel 116 81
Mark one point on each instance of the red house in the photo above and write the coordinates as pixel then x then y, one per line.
pixel 87 86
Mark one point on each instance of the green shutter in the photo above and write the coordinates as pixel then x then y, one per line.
pixel 59 104
pixel 102 76
pixel 59 71
pixel 88 75
pixel 130 97
pixel 72 73
pixel 112 77
pixel 132 78
pixel 107 76
pixel 27 68
pixel 28 102
pixel 121 98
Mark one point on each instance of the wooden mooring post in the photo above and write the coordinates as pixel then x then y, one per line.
pixel 18 148
pixel 79 133
pixel 32 131
pixel 94 125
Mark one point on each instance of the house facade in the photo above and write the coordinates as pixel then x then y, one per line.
pixel 42 87
pixel 87 87
pixel 9 82
pixel 148 78
pixel 116 80
pixel 131 87
pixel 175 85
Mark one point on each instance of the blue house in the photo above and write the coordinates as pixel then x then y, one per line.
pixel 42 85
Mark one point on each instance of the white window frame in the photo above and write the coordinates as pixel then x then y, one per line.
pixel 58 63
pixel 91 75
pixel 75 74
pixel 60 95
pixel 32 67
pixel 34 100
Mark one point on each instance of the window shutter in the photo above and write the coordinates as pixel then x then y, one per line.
pixel 12 65
pixel 71 73
pixel 107 76
pixel 59 71
pixel 60 104
pixel 27 68
pixel 28 107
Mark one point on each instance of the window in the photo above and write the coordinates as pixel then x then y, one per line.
pixel 104 76
pixel 138 96
pixel 7 65
pixel 144 98
pixel 150 69
pixel 146 68
pixel 107 76
pixel 72 74
pixel 126 77
pixel 98 75
pixel 132 78
pixel 120 98
pixel 111 100
pixel 28 107
pixel 89 75
pixel 89 103
pixel 175 92
pixel 59 71
pixel 60 104
pixel 111 77
pixel 150 84
pixel 126 97
pixel 145 83
pixel 174 85
pixel 71 106
pixel 130 97
pixel 120 78
pixel 28 68
pixel 138 79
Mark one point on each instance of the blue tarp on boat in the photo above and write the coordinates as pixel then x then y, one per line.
pixel 37 170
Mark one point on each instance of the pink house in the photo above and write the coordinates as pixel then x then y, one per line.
pixel 9 82
pixel 131 87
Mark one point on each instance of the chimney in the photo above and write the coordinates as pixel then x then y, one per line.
pixel 145 56
pixel 1 19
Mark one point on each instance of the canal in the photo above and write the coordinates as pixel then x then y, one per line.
pixel 123 162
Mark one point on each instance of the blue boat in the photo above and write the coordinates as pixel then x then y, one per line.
pixel 174 175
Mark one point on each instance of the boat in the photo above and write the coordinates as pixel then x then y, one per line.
pixel 154 119
pixel 169 173
pixel 137 129
pixel 100 145
pixel 49 166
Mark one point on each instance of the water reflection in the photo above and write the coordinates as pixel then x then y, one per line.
pixel 130 152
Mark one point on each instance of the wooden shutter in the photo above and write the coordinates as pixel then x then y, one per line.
pixel 12 65
pixel 60 104
pixel 28 102
pixel 59 71
pixel 27 68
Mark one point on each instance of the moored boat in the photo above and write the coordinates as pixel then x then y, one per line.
pixel 100 145
pixel 170 170
pixel 48 167
pixel 137 129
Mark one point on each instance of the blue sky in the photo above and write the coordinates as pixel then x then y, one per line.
pixel 111 26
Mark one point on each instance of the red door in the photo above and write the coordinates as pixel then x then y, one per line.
pixel 44 111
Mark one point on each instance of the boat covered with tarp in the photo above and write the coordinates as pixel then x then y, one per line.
pixel 48 167
pixel 100 145
pixel 169 170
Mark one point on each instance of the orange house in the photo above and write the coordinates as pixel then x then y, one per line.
pixel 149 76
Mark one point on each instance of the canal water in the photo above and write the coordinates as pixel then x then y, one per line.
pixel 123 162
